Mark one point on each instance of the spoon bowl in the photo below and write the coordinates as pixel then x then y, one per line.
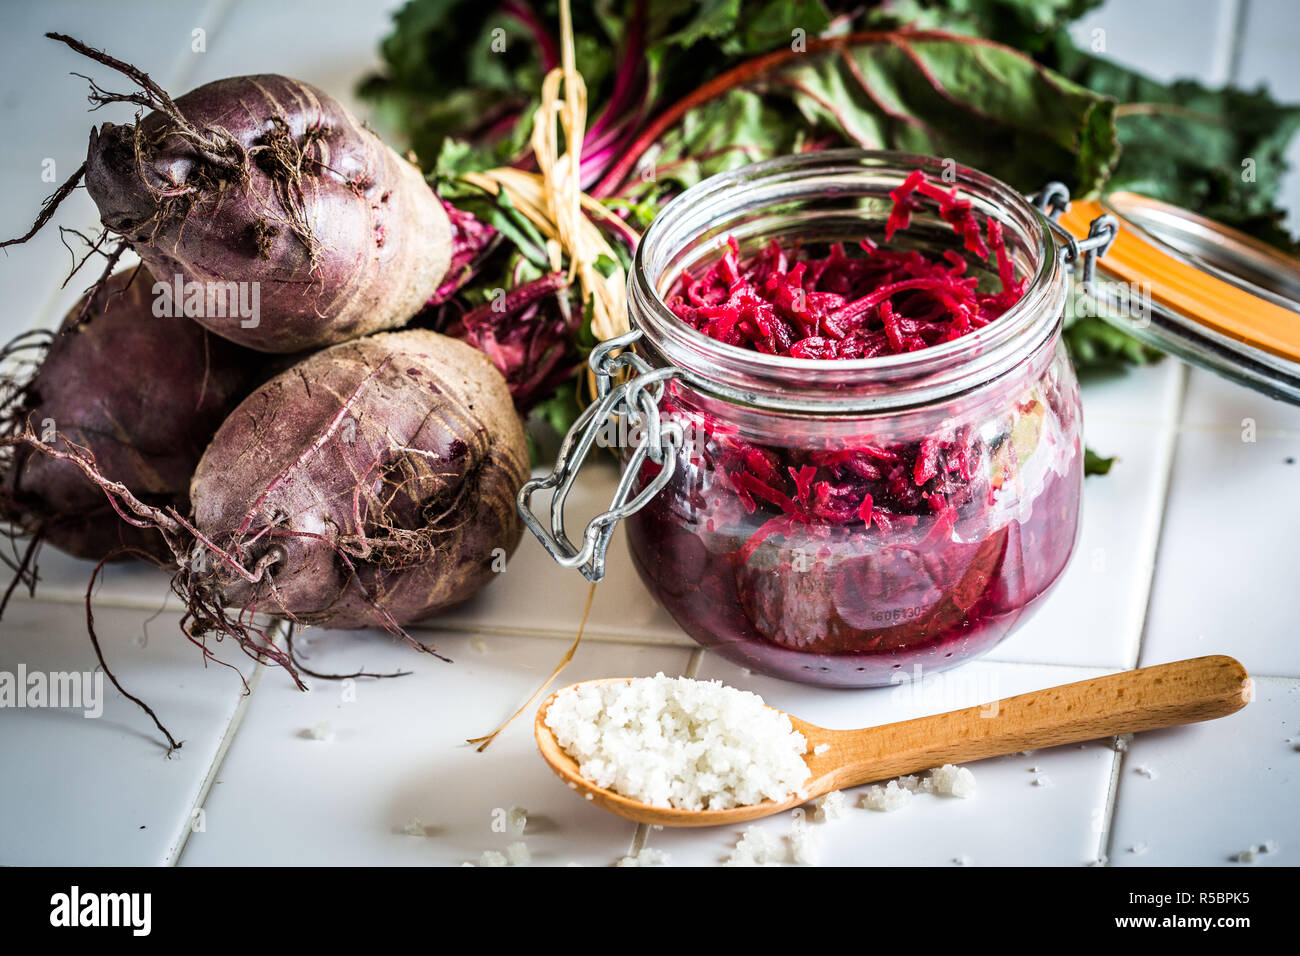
pixel 1165 695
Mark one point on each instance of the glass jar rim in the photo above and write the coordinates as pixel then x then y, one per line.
pixel 879 383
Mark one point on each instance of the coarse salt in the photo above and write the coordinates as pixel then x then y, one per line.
pixel 647 856
pixel 888 798
pixel 832 806
pixel 681 743
pixel 322 731
pixel 518 855
pixel 952 781
pixel 757 847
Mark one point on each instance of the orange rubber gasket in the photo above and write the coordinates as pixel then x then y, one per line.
pixel 1192 292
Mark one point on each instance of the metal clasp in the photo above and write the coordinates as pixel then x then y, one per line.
pixel 1054 199
pixel 638 399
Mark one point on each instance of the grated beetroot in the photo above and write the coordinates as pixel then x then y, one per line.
pixel 882 302
pixel 838 562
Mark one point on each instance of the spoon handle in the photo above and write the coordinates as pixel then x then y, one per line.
pixel 1166 695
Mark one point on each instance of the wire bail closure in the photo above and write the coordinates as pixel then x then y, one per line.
pixel 1053 200
pixel 636 400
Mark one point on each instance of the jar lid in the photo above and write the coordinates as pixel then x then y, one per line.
pixel 1219 298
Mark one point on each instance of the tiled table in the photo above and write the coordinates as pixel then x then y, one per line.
pixel 1188 548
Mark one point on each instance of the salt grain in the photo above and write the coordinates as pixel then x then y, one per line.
pixel 962 860
pixel 322 731
pixel 1146 771
pixel 492 858
pixel 1042 780
pixel 414 827
pixel 478 645
pixel 821 749
pixel 888 798
pixel 681 743
pixel 1137 849
pixel 757 848
pixel 832 806
pixel 518 855
pixel 952 781
pixel 648 856
pixel 517 819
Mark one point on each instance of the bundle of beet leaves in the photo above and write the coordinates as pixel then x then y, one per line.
pixel 682 90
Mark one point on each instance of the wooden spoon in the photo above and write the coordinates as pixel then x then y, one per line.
pixel 1166 695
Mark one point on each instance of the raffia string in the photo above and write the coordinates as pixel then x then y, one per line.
pixel 552 199
pixel 564 662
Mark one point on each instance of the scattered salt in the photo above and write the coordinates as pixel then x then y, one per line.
pixel 518 855
pixel 414 827
pixel 952 781
pixel 322 731
pixel 1252 853
pixel 492 858
pixel 803 846
pixel 1138 849
pixel 757 848
pixel 678 742
pixel 1121 742
pixel 478 644
pixel 888 798
pixel 517 819
pixel 648 856
pixel 821 749
pixel 832 806
pixel 1033 769
pixel 962 860
pixel 1146 771
pixel 1042 780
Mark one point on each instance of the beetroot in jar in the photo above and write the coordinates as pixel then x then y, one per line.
pixel 872 458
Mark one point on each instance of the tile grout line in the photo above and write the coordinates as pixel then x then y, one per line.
pixel 218 759
pixel 1169 448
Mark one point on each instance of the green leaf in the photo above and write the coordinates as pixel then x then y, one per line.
pixel 1095 464
pixel 1218 152
pixel 985 106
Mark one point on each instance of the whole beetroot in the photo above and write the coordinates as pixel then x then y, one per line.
pixel 266 192
pixel 139 395
pixel 372 483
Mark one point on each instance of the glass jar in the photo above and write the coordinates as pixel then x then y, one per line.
pixel 834 522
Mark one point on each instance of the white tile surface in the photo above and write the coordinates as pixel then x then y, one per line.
pixel 1009 820
pixel 398 752
pixel 80 791
pixel 1213 403
pixel 1144 395
pixel 535 595
pixel 1226 574
pixel 1187 816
